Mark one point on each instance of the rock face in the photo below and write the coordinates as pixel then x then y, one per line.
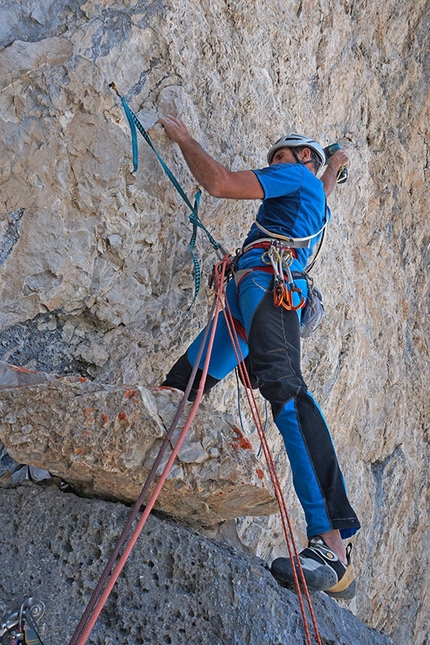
pixel 177 587
pixel 95 274
pixel 104 440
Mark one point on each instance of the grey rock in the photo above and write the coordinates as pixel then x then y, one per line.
pixel 14 376
pixel 10 224
pixel 104 440
pixel 12 473
pixel 176 587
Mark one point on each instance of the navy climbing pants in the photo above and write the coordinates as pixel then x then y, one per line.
pixel 273 351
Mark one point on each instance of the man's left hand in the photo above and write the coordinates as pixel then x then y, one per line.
pixel 175 128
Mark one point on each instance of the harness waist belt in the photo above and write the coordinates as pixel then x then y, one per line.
pixel 266 242
pixel 300 242
pixel 241 273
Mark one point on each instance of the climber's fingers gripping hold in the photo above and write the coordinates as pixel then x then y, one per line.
pixel 175 128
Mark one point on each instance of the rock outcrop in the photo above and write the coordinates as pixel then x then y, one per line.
pixel 103 440
pixel 95 274
pixel 177 587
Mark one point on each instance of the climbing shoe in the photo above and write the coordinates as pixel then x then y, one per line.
pixel 322 569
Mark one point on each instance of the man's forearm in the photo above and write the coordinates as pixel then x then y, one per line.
pixel 329 179
pixel 213 176
pixel 336 162
pixel 205 169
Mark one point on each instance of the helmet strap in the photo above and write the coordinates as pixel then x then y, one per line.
pixel 294 153
pixel 303 163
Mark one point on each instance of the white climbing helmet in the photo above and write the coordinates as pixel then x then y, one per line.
pixel 295 140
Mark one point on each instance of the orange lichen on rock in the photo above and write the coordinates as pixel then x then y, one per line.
pixel 131 394
pixel 241 441
pixel 88 414
pixel 122 416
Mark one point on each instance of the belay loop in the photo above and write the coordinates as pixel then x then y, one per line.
pixel 135 125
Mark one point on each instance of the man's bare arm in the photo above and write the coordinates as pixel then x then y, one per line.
pixel 213 176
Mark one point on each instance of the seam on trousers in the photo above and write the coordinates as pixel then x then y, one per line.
pixel 329 520
pixel 259 304
pixel 288 346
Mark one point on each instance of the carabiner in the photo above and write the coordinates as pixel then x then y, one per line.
pixel 283 295
pixel 302 302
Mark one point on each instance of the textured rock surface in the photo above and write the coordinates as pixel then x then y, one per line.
pixel 104 440
pixel 95 275
pixel 177 587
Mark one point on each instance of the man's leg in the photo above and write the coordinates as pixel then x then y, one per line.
pixel 274 355
pixel 223 358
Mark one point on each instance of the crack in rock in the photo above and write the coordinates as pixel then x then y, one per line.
pixel 11 236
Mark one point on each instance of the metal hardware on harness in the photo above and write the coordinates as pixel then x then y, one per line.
pixel 283 289
pixel 20 627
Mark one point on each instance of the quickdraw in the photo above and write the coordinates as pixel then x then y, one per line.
pixel 194 218
pixel 20 627
pixel 284 288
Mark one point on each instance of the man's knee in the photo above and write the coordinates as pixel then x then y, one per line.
pixel 281 390
pixel 180 374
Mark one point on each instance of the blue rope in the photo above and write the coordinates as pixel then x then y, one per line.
pixel 134 123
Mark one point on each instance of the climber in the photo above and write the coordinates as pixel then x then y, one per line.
pixel 290 219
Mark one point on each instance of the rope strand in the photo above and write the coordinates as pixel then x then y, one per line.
pixel 106 583
pixel 285 518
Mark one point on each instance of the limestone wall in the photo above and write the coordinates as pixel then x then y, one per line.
pixel 95 274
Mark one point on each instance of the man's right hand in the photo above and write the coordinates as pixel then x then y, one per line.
pixel 337 161
pixel 213 176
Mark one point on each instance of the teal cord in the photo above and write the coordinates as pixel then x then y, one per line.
pixel 134 123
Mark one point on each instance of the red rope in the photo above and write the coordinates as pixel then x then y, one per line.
pixel 285 518
pixel 85 626
pixel 106 584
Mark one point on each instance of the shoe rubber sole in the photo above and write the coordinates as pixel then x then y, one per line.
pixel 322 578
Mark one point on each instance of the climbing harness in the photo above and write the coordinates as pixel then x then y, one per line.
pixel 294 242
pixel 279 253
pixel 278 257
pixel 20 627
pixel 312 308
pixel 194 218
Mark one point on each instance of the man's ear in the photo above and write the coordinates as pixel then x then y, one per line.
pixel 305 155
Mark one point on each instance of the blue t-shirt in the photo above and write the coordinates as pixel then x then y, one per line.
pixel 293 205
